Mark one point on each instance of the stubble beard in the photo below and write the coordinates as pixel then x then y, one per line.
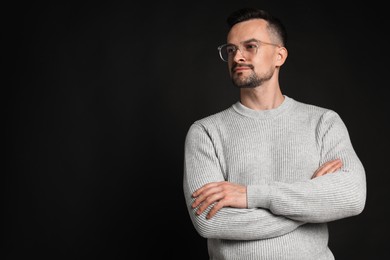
pixel 253 80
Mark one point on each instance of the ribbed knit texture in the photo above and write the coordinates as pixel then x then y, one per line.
pixel 274 153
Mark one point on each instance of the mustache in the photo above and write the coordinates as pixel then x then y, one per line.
pixel 235 65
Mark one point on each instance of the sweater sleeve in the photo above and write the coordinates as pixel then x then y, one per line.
pixel 201 166
pixel 330 197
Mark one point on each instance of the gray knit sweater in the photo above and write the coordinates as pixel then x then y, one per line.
pixel 274 153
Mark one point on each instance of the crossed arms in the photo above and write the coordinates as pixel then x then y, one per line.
pixel 222 209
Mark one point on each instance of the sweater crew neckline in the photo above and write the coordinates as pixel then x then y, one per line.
pixel 263 114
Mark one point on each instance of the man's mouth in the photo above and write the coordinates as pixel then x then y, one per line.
pixel 241 67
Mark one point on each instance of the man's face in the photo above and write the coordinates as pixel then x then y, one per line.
pixel 250 69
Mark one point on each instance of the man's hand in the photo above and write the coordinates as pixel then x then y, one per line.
pixel 224 194
pixel 227 194
pixel 328 167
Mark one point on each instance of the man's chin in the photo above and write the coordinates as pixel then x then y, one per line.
pixel 243 84
pixel 239 81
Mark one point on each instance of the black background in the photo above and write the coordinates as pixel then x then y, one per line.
pixel 100 97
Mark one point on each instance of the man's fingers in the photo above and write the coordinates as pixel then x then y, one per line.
pixel 208 201
pixel 335 167
pixel 219 195
pixel 205 194
pixel 214 210
pixel 205 187
pixel 328 167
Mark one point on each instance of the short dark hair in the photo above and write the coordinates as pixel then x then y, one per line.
pixel 274 24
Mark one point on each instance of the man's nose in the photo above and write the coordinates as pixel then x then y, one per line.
pixel 238 56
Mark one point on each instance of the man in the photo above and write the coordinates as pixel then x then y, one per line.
pixel 263 177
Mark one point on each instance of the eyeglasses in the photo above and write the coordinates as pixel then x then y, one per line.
pixel 248 49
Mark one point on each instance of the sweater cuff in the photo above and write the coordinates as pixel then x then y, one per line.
pixel 258 196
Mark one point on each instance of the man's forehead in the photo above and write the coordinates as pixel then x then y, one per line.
pixel 251 29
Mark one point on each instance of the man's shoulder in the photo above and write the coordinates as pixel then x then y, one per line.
pixel 306 107
pixel 316 114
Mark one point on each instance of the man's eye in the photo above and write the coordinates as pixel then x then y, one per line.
pixel 230 49
pixel 250 46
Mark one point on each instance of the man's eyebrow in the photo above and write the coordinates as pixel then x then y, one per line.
pixel 246 41
pixel 250 40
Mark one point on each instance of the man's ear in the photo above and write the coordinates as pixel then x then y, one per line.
pixel 281 56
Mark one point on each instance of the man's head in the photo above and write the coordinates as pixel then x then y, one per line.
pixel 255 47
pixel 275 26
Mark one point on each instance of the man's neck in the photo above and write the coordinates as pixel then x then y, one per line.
pixel 261 98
